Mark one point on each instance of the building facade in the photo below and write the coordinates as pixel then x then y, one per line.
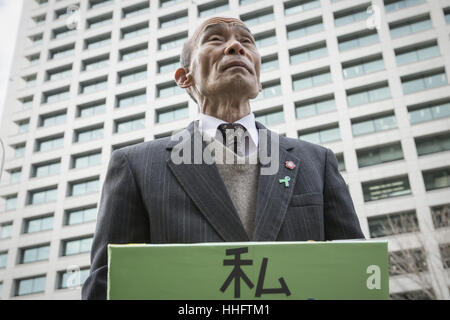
pixel 367 79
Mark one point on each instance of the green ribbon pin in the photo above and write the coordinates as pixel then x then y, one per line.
pixel 285 181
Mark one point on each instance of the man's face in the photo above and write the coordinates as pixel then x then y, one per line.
pixel 226 61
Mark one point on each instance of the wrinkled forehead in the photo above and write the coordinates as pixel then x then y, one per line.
pixel 217 23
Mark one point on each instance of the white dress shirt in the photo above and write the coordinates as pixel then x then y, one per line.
pixel 209 125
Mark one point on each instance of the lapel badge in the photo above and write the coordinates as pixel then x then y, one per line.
pixel 290 165
pixel 285 181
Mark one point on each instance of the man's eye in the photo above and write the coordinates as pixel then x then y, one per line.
pixel 217 38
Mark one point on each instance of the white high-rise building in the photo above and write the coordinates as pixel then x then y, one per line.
pixel 368 79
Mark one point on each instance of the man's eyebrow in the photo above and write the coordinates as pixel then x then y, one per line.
pixel 220 26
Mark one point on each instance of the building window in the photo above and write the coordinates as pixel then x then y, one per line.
pixel 269 63
pixel 99 3
pixel 77 246
pixel 37 38
pixel 61 52
pixel 269 90
pixel 351 15
pixel 3 260
pixel 436 178
pixel 95 63
pixel 97 41
pixel 341 162
pixel 173 114
pixel 88 134
pixel 38 20
pixel 27 102
pixel 126 144
pixel 34 254
pixel 129 125
pixel 91 108
pixel 394 5
pixel 83 187
pixel 168 65
pixel 99 21
pixel 212 8
pixel 14 175
pixel 357 40
pixel 94 85
pixel 424 80
pixel 48 144
pixel 55 95
pixel 270 118
pixel 261 16
pixel 307 53
pixel 136 10
pixel 386 188
pixel 52 119
pixel 22 126
pixel 168 3
pixel 441 216
pixel 172 41
pixel 38 224
pixel 410 26
pixel 10 202
pixel 77 216
pixel 296 6
pixel 445 254
pixel 432 144
pixel 68 280
pixel 134 31
pixel 304 28
pixel 30 285
pixel 362 66
pixel 46 169
pixel 33 59
pixel 373 124
pixel 173 19
pixel 63 12
pixel 59 73
pixel 417 52
pixel 6 230
pixel 168 90
pixel 132 75
pixel 86 160
pixel 407 261
pixel 19 150
pixel 447 15
pixel 42 196
pixel 429 111
pixel 30 80
pixel 311 79
pixel 379 154
pixel 131 99
pixel 394 223
pixel 63 32
pixel 133 52
pixel 368 94
pixel 265 39
pixel 315 106
pixel 322 135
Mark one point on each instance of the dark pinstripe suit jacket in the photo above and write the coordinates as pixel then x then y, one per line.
pixel 146 198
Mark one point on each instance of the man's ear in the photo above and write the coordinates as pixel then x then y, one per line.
pixel 184 78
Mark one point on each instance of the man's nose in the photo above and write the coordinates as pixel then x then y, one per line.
pixel 235 48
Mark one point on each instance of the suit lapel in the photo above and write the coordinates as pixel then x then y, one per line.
pixel 274 197
pixel 203 184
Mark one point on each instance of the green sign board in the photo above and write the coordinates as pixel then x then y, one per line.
pixel 345 269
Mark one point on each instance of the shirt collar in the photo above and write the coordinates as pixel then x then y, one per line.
pixel 209 125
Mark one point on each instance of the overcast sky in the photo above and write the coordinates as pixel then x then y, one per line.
pixel 9 23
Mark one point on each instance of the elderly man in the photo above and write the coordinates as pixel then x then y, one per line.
pixel 148 197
